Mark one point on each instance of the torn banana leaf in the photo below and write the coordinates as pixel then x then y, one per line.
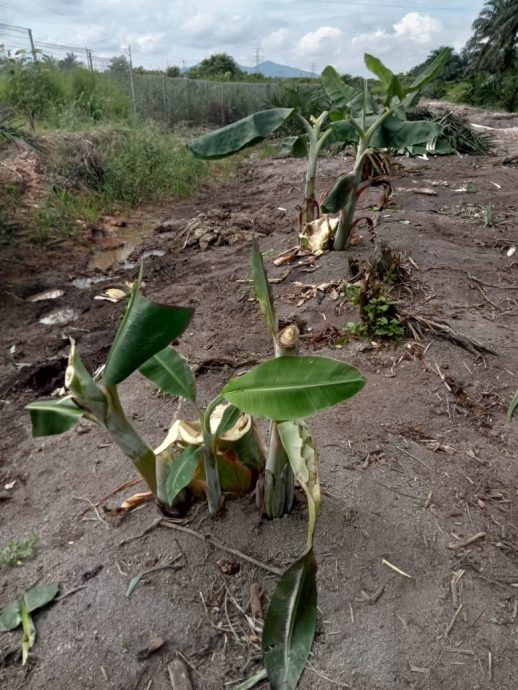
pixel 290 623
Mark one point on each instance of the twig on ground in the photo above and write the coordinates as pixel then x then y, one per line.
pixel 126 485
pixel 166 522
pixel 414 456
pixel 93 507
pixel 396 569
pixel 454 546
pixel 452 622
pixel 70 592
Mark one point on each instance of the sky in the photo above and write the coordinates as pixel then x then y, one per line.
pixel 301 33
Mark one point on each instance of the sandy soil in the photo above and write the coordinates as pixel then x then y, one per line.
pixel 419 462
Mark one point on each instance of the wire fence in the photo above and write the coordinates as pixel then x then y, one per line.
pixel 156 96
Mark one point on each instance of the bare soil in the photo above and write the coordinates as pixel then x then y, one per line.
pixel 412 468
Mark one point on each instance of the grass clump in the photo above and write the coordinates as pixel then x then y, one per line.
pixel 16 552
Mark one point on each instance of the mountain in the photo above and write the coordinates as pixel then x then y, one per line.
pixel 272 69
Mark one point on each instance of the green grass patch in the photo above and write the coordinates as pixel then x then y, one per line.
pixel 16 552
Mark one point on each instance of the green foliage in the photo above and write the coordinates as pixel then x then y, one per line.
pixel 148 164
pixel 493 44
pixel 513 406
pixel 493 90
pixel 378 320
pixel 58 215
pixel 18 612
pixel 455 130
pixel 16 552
pixel 290 624
pixel 217 67
pixel 30 87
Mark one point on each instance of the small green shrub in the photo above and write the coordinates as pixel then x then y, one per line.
pixel 17 551
pixel 378 320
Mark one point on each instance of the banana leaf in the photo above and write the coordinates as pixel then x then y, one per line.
pixel 239 135
pixel 290 623
pixel 171 373
pixel 51 417
pixel 293 387
pixel 513 406
pixel 147 328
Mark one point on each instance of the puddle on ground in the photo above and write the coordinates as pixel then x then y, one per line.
pixel 119 242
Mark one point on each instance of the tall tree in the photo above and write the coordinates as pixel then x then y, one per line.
pixel 493 46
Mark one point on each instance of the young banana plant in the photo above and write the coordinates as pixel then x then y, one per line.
pixel 356 118
pixel 376 126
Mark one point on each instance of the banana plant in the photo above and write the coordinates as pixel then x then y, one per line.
pixel 356 118
pixel 221 450
pixel 255 128
pixel 376 126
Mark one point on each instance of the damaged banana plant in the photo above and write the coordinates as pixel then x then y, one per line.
pixel 378 125
pixel 357 119
pixel 220 452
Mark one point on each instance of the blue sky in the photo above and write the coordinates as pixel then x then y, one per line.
pixel 302 33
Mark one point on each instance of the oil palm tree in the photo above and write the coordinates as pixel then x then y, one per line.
pixel 494 42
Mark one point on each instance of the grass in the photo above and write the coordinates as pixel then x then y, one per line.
pixel 90 172
pixel 16 552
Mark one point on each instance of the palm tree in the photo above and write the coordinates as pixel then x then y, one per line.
pixel 494 42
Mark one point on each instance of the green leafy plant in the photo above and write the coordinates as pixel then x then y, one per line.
pixel 17 551
pixel 221 451
pixel 378 320
pixel 354 118
pixel 18 613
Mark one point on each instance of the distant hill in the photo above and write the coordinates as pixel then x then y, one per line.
pixel 272 69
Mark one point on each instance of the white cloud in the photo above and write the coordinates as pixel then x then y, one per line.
pixel 420 28
pixel 319 42
pixel 146 43
pixel 277 40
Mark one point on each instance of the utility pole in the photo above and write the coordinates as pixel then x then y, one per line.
pixel 132 84
pixel 257 56
pixel 89 60
pixel 33 49
pixel 313 69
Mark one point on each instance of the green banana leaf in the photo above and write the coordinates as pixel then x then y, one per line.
pixel 293 387
pixel 171 373
pixel 290 623
pixel 147 327
pixel 296 147
pixel 302 454
pixel 340 193
pixel 239 135
pixel 228 420
pixel 51 417
pixel 429 72
pixel 513 406
pixel 340 93
pixel 82 386
pixel 390 81
pixel 181 472
pixel 34 598
pixel 263 290
pixel 395 133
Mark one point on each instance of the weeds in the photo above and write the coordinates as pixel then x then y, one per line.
pixel 16 552
pixel 379 320
pixel 489 216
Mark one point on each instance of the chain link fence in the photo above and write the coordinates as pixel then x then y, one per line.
pixel 162 98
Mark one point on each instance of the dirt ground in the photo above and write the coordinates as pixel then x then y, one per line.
pixel 419 462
